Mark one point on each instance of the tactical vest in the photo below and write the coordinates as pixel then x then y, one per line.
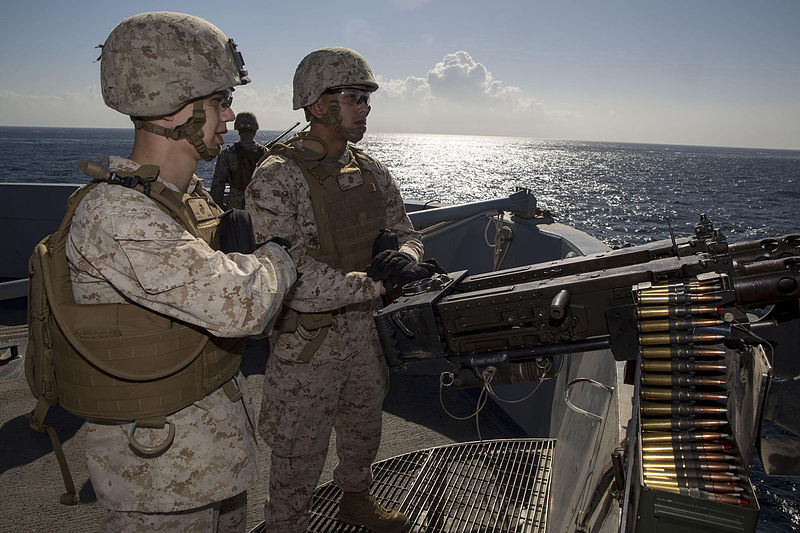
pixel 120 362
pixel 349 206
pixel 246 161
pixel 350 210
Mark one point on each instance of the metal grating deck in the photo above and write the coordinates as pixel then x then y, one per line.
pixel 499 486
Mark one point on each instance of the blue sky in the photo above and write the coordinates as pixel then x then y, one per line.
pixel 722 73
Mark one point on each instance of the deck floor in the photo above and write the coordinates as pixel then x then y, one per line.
pixel 30 482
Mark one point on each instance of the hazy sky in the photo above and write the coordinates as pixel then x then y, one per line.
pixel 722 73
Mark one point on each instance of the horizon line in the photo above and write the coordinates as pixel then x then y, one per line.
pixel 455 135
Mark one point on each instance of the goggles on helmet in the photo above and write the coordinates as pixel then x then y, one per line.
pixel 351 95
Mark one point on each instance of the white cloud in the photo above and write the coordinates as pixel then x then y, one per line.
pixel 457 95
pixel 458 76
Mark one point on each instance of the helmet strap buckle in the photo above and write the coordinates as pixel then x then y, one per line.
pixel 191 130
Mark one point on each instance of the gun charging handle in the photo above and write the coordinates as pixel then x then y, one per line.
pixel 559 305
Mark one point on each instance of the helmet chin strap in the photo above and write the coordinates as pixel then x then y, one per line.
pixel 191 130
pixel 333 119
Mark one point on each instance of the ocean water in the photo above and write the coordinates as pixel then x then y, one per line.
pixel 621 193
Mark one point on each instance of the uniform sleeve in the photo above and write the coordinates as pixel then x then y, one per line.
pixel 279 205
pixel 222 174
pixel 151 260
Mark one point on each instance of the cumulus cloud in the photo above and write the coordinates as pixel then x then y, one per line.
pixel 457 95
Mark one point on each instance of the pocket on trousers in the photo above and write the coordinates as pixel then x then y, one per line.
pixel 278 423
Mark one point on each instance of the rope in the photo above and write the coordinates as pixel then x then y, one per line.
pixel 487 375
pixel 480 404
pixel 502 235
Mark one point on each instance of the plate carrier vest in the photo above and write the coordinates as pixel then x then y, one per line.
pixel 120 363
pixel 349 209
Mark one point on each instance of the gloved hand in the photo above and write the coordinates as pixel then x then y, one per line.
pixel 388 263
pixel 386 240
pixel 235 231
pixel 417 270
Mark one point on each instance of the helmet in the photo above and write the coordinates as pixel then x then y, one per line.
pixel 152 64
pixel 245 121
pixel 326 68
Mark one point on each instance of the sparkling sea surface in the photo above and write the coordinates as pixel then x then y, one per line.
pixel 621 193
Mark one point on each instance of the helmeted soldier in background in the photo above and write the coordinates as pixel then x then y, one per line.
pixel 325 368
pixel 236 163
pixel 142 244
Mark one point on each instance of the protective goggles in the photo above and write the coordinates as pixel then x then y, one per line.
pixel 227 98
pixel 351 96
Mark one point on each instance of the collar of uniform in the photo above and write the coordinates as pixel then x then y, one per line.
pixel 116 163
pixel 343 159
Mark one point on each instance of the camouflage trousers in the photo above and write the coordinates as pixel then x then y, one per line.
pixel 302 402
pixel 227 516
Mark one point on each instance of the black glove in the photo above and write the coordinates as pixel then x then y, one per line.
pixel 235 232
pixel 417 270
pixel 388 263
pixel 386 240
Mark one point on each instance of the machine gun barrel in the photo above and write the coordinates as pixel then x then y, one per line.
pixel 741 253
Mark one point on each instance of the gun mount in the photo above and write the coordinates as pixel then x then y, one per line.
pixel 679 300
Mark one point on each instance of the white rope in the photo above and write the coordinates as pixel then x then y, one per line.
pixel 500 238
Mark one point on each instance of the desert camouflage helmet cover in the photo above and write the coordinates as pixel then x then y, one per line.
pixel 326 68
pixel 154 63
pixel 245 121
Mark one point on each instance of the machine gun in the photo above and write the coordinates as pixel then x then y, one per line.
pixel 456 321
pixel 675 300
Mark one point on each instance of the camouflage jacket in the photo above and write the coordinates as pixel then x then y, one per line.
pixel 279 203
pixel 123 248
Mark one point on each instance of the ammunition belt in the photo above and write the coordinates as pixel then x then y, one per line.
pixel 687 445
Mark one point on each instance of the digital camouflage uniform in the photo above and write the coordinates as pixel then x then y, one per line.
pixel 123 248
pixel 235 165
pixel 344 384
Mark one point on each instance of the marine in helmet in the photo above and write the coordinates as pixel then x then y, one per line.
pixel 325 369
pixel 236 163
pixel 144 242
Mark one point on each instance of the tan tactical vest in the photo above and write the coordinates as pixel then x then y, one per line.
pixel 119 362
pixel 350 210
pixel 246 161
pixel 349 207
